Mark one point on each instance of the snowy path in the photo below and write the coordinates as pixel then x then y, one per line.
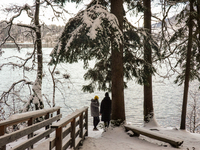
pixel 117 139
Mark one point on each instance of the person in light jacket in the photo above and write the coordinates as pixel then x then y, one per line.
pixel 105 110
pixel 94 106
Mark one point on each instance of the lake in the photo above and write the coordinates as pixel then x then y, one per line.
pixel 167 96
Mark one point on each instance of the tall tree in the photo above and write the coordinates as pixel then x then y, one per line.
pixel 117 67
pixel 187 49
pixel 188 64
pixel 148 98
pixel 97 33
pixel 37 89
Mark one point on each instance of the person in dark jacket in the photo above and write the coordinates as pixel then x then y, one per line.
pixel 105 110
pixel 94 106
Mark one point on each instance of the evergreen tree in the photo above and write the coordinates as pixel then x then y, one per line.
pixel 150 50
pixel 95 33
pixel 148 98
pixel 92 33
pixel 117 67
pixel 187 39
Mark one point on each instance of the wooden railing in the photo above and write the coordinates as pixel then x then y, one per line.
pixel 30 117
pixel 72 128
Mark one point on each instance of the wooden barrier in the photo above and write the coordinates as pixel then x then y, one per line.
pixel 30 117
pixel 73 128
pixel 175 142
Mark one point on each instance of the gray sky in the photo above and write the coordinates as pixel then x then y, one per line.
pixel 46 14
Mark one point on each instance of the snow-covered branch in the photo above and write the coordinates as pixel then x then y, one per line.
pixel 18 11
pixel 5 94
pixel 20 65
pixel 96 25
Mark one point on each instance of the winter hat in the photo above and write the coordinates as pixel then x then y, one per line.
pixel 96 97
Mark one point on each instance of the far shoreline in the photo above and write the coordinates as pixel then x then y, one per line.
pixel 27 45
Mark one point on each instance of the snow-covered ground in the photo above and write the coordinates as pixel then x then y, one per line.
pixel 117 139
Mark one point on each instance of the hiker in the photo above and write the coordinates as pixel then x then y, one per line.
pixel 94 106
pixel 105 110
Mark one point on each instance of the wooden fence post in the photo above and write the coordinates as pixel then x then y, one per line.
pixel 73 132
pixel 81 125
pixel 47 127
pixel 30 122
pixel 2 132
pixel 58 112
pixel 59 138
pixel 86 121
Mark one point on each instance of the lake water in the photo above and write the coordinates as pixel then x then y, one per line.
pixel 167 96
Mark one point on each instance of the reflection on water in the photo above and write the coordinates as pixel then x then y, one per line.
pixel 167 96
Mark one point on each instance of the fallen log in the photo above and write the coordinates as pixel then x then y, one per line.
pixel 175 142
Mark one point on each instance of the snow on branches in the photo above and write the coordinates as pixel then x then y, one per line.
pixel 91 31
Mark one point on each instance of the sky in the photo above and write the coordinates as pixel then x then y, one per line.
pixel 46 14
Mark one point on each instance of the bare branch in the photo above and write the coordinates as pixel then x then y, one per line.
pixel 10 23
pixel 6 94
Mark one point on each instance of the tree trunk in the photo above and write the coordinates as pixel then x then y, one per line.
pixel 148 102
pixel 118 110
pixel 38 83
pixel 198 21
pixel 187 71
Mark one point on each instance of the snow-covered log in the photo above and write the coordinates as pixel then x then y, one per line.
pixel 175 142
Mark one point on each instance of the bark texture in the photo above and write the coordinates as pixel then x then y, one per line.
pixel 118 108
pixel 148 99
pixel 187 71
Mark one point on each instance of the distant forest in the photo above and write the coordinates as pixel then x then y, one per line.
pixel 50 34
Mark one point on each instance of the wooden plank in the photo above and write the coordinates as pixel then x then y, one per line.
pixel 67 143
pixel 173 141
pixel 78 142
pixel 77 122
pixel 73 132
pixel 65 121
pixel 81 125
pixel 59 138
pixel 33 140
pixel 52 144
pixel 58 112
pixel 86 121
pixel 77 132
pixel 69 118
pixel 25 116
pixel 30 122
pixel 2 132
pixel 47 127
pixel 20 133
pixel 66 131
pixel 84 133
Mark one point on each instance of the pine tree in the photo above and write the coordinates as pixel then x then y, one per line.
pixel 187 70
pixel 93 34
pixel 148 98
pixel 187 45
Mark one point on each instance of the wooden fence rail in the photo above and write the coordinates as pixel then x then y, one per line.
pixel 72 128
pixel 30 117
